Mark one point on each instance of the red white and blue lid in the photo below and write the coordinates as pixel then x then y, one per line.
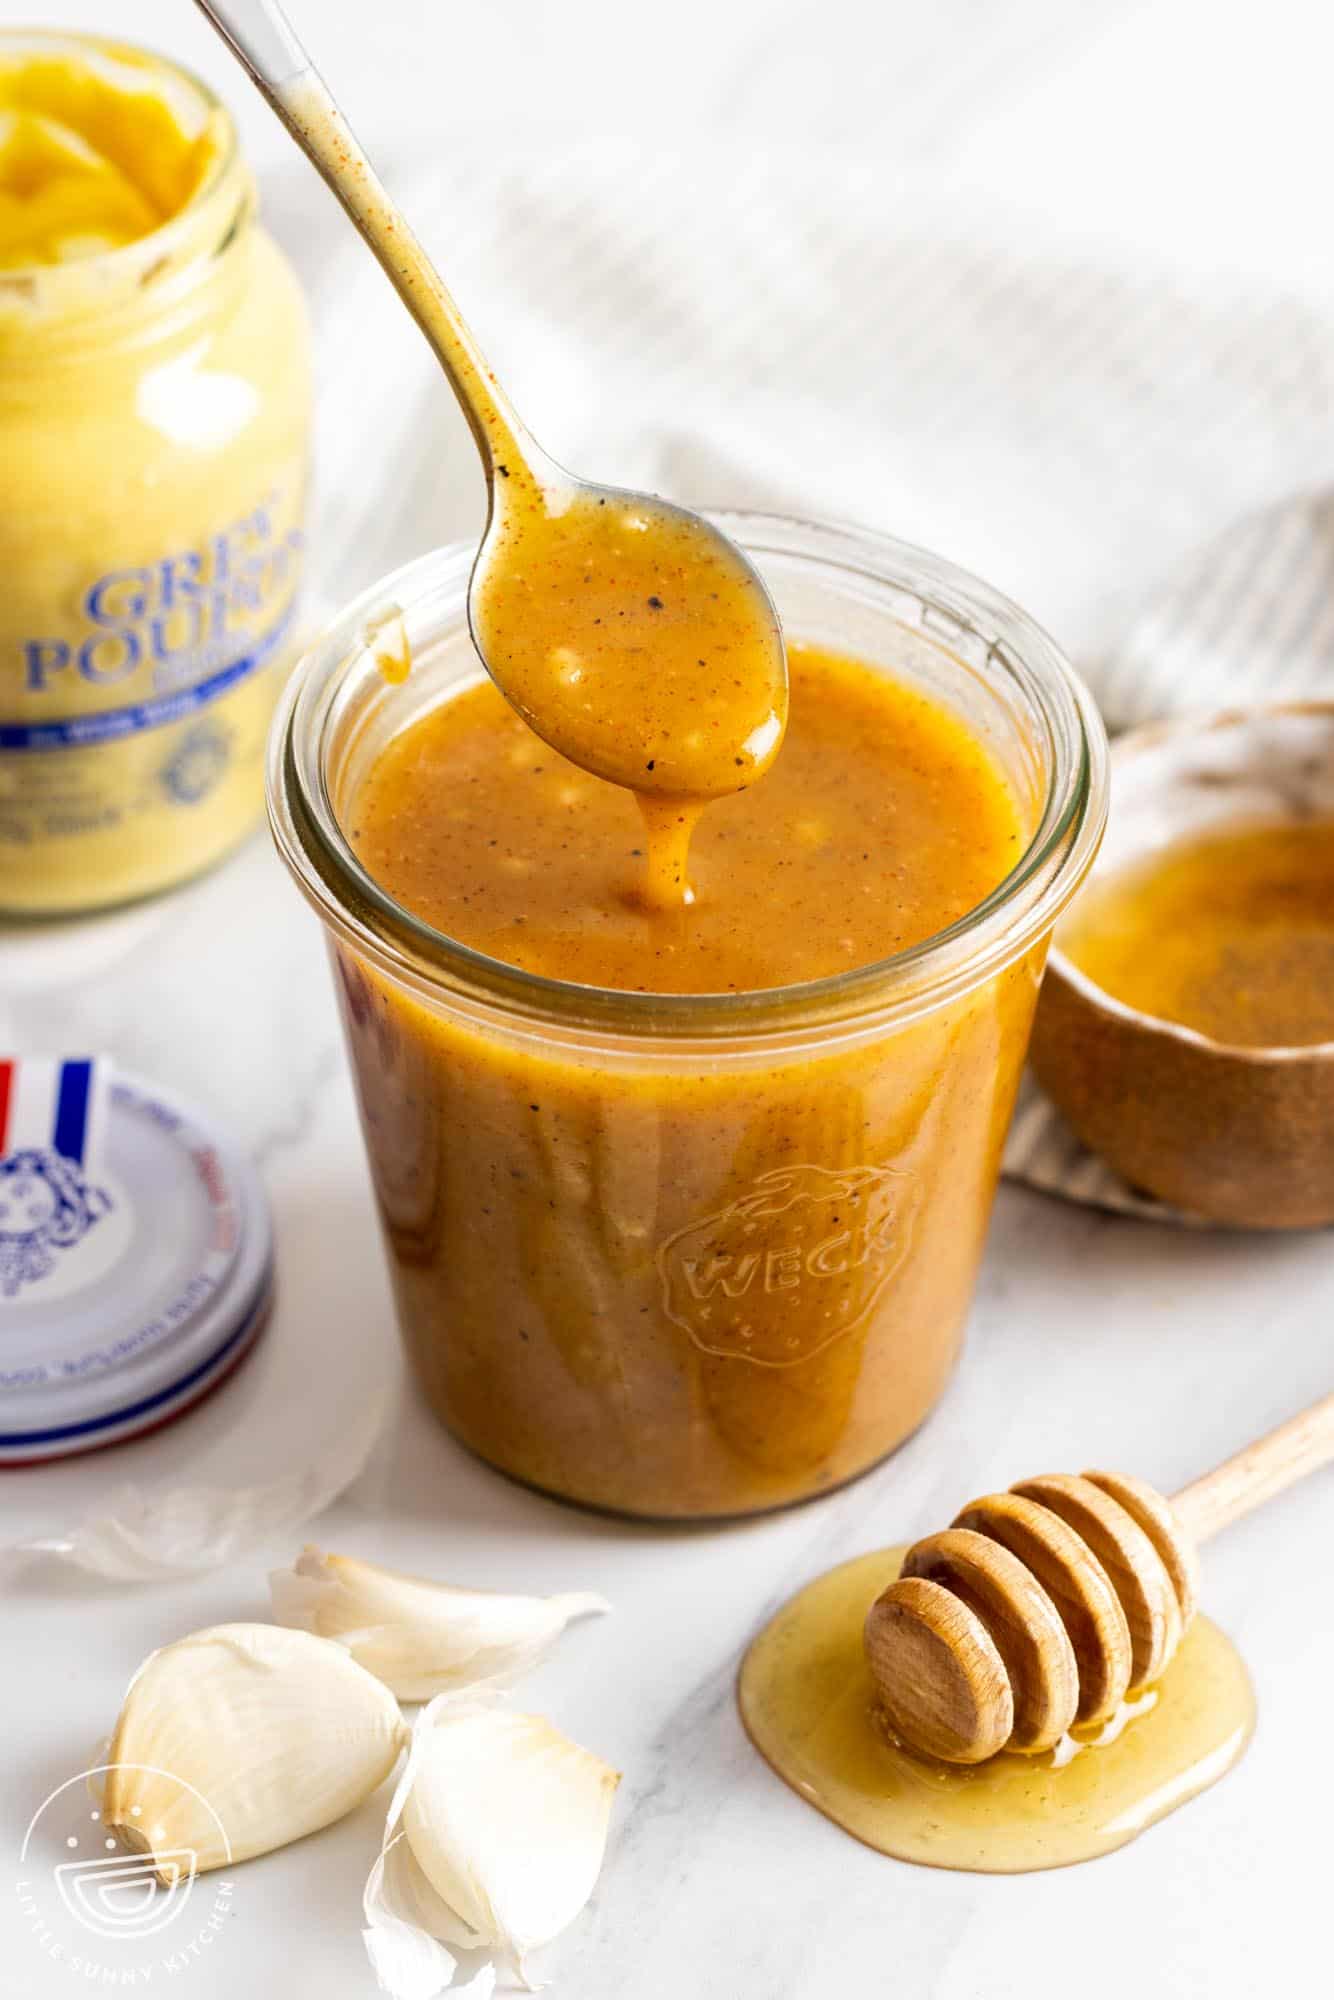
pixel 136 1256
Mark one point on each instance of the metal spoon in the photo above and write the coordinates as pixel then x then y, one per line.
pixel 632 635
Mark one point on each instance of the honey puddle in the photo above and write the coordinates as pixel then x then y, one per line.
pixel 807 1701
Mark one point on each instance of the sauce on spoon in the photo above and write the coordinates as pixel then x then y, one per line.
pixel 636 642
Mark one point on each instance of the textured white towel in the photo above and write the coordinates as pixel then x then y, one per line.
pixel 1075 428
pixel 1251 618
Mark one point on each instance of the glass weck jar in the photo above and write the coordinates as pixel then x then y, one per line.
pixel 675 1255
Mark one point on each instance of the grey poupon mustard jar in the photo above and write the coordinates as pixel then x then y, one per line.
pixel 154 427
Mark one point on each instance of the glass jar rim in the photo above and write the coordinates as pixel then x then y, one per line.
pixel 129 261
pixel 1017 913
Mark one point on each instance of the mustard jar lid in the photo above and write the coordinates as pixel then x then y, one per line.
pixel 136 1256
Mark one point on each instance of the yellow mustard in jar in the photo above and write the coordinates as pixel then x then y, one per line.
pixel 154 430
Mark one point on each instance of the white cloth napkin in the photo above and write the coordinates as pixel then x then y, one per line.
pixel 740 326
pixel 1249 619
pixel 785 330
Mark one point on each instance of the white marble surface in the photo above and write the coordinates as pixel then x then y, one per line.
pixel 1093 1339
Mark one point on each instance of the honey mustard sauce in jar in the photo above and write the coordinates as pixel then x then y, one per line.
pixel 154 426
pixel 684 1205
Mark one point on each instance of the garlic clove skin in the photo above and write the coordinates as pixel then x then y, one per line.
pixel 404 1924
pixel 140 1534
pixel 420 1638
pixel 242 1738
pixel 495 1837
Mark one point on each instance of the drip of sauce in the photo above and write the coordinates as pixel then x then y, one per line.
pixel 808 1704
pixel 389 645
pixel 1231 934
pixel 629 634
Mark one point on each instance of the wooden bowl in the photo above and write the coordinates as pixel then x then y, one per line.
pixel 1237 1135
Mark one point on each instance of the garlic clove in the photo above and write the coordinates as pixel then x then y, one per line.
pixel 495 1836
pixel 240 1739
pixel 420 1638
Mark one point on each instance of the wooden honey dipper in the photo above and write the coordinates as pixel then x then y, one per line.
pixel 1051 1604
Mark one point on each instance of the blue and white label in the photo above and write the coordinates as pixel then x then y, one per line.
pixel 61 1231
pixel 163 638
pixel 61 1226
pixel 150 1303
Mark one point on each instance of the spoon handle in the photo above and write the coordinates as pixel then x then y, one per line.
pixel 1302 1445
pixel 267 46
pixel 262 39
